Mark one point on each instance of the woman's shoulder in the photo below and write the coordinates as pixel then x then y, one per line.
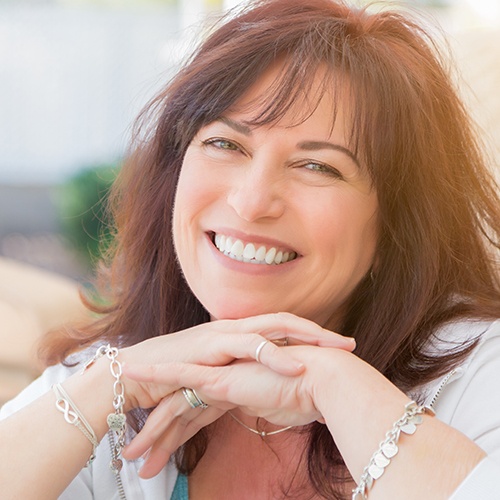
pixel 484 334
pixel 455 336
pixel 484 358
pixel 467 398
pixel 463 331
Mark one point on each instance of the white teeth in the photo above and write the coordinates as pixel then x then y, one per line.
pixel 260 254
pixel 270 255
pixel 237 248
pixel 279 257
pixel 248 253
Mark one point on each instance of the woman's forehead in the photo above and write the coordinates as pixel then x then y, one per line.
pixel 276 96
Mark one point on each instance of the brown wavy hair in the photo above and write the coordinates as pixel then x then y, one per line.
pixel 438 205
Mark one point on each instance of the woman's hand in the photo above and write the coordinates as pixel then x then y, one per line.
pixel 251 386
pixel 221 342
pixel 335 387
pixel 218 343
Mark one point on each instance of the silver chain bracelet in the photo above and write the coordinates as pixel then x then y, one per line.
pixel 117 421
pixel 388 448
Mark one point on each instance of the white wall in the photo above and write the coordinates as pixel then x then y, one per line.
pixel 72 81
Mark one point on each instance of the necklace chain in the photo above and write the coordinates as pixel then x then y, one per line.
pixel 255 431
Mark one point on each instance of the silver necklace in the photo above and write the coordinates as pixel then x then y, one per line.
pixel 255 431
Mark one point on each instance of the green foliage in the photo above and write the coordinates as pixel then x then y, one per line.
pixel 84 217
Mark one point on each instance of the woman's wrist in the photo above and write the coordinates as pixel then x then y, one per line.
pixel 357 403
pixel 360 406
pixel 92 391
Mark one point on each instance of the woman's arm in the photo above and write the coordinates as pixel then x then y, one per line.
pixel 41 453
pixel 357 403
pixel 38 440
pixel 363 408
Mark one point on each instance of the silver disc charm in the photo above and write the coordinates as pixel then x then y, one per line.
pixel 408 428
pixel 390 449
pixel 381 460
pixel 416 419
pixel 375 471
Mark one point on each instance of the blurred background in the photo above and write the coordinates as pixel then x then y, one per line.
pixel 73 76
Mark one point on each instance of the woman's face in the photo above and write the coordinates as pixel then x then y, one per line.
pixel 274 218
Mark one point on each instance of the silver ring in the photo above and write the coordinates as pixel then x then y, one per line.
pixel 193 399
pixel 259 349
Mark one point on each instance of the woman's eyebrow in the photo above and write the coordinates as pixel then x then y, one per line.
pixel 237 126
pixel 317 145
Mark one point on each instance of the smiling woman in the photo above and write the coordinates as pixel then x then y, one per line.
pixel 306 262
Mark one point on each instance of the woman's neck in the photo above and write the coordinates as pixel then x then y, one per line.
pixel 240 464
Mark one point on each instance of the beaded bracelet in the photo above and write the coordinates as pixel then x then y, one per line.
pixel 73 416
pixel 388 448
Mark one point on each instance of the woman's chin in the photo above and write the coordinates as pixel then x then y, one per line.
pixel 239 311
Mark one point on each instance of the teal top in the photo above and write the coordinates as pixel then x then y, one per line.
pixel 181 488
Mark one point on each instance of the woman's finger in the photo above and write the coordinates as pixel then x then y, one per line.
pixel 256 347
pixel 181 430
pixel 177 375
pixel 228 340
pixel 169 409
pixel 277 326
pixel 158 420
pixel 282 400
pixel 244 339
pixel 212 383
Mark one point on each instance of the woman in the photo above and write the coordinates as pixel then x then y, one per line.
pixel 310 170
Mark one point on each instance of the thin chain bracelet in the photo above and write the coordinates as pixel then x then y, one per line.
pixel 73 416
pixel 388 448
pixel 117 421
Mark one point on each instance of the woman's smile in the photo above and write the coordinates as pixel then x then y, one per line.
pixel 230 260
pixel 252 252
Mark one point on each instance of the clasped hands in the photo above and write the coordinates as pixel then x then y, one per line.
pixel 218 360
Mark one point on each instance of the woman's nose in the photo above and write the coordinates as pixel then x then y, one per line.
pixel 256 194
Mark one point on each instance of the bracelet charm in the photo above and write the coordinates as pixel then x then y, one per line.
pixel 388 448
pixel 73 416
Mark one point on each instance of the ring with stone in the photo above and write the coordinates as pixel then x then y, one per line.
pixel 193 399
pixel 280 342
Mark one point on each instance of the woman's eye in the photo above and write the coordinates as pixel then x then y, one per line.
pixel 221 144
pixel 322 168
